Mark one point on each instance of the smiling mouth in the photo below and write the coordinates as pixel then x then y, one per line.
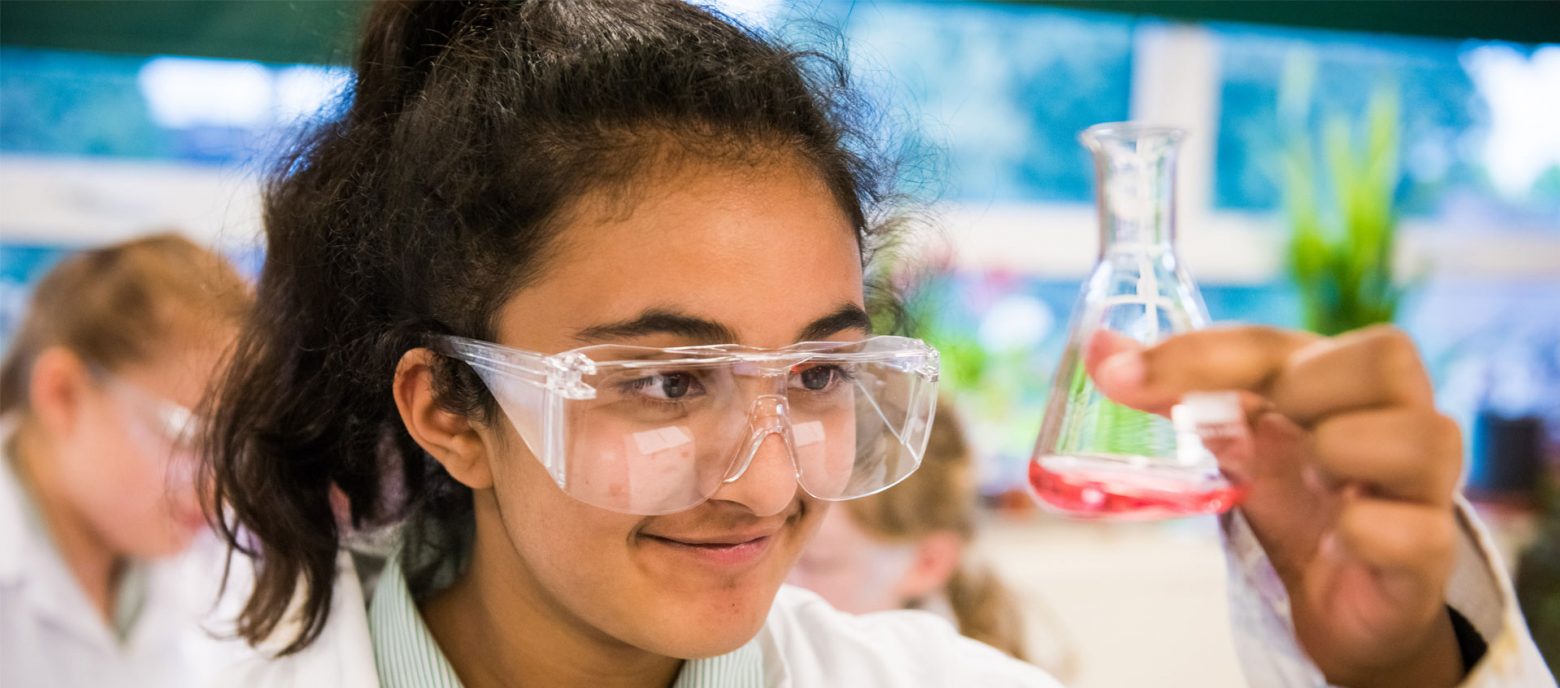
pixel 713 544
pixel 734 553
pixel 733 550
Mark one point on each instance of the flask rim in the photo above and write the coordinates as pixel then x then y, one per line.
pixel 1130 131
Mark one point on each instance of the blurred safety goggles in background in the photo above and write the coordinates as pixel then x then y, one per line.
pixel 649 431
pixel 159 429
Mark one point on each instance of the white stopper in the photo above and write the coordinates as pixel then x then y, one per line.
pixel 1207 408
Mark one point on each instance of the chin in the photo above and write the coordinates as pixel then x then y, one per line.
pixel 741 615
pixel 719 622
pixel 717 637
pixel 170 541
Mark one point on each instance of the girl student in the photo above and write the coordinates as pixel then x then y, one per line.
pixel 101 581
pixel 573 298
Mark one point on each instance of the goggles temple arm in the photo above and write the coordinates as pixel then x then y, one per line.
pixel 561 373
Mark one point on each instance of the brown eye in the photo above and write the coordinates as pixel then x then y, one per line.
pixel 666 386
pixel 675 385
pixel 818 378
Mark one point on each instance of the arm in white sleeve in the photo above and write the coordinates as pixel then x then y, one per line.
pixel 1479 590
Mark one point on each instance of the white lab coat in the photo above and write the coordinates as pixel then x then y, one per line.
pixel 51 635
pixel 807 643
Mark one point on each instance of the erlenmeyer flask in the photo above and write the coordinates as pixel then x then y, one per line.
pixel 1096 458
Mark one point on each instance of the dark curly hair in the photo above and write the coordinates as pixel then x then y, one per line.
pixel 430 200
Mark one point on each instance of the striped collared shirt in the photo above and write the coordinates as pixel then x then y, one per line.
pixel 407 656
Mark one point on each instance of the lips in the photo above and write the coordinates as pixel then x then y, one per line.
pixel 719 540
pixel 711 546
pixel 719 553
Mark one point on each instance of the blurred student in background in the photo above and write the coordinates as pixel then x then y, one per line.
pixel 906 548
pixel 99 393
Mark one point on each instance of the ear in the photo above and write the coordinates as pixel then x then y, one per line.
pixel 448 437
pixel 937 557
pixel 57 389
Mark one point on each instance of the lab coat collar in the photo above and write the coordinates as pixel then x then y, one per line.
pixel 30 566
pixel 13 527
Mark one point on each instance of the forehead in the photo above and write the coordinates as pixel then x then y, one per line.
pixel 183 367
pixel 763 249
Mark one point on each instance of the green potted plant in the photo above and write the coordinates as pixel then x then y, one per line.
pixel 1341 246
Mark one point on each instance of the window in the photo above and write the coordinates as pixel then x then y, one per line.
pixel 1478 145
pixel 195 110
pixel 997 93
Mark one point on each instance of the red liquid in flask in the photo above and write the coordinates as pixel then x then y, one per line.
pixel 1104 487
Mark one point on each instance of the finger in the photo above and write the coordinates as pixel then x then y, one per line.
pixel 1399 537
pixel 1374 366
pixel 1280 450
pixel 1402 453
pixel 1103 344
pixel 1153 378
pixel 1235 446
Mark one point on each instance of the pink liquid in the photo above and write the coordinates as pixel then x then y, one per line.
pixel 1109 488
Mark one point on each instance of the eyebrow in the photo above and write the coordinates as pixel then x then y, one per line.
pixel 848 316
pixel 670 322
pixel 660 321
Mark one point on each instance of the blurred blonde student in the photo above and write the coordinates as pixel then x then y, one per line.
pixel 98 395
pixel 907 548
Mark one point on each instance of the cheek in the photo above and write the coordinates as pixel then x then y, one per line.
pixel 578 557
pixel 572 547
pixel 826 452
pixel 122 490
pixel 585 560
pixel 644 467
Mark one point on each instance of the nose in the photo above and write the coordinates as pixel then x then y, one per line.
pixel 763 478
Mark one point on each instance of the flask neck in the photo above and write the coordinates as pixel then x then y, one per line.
pixel 1134 186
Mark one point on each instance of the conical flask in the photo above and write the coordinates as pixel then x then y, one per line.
pixel 1096 458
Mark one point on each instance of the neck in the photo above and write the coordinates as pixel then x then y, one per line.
pixel 91 561
pixel 498 627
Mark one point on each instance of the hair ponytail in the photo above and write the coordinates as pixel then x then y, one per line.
pixel 400 45
pixel 986 610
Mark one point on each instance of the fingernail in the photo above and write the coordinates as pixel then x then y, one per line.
pixel 1125 369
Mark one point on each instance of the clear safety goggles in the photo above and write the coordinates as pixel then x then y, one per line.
pixel 159 428
pixel 648 431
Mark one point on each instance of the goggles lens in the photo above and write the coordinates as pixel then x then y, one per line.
pixel 653 431
pixel 159 428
